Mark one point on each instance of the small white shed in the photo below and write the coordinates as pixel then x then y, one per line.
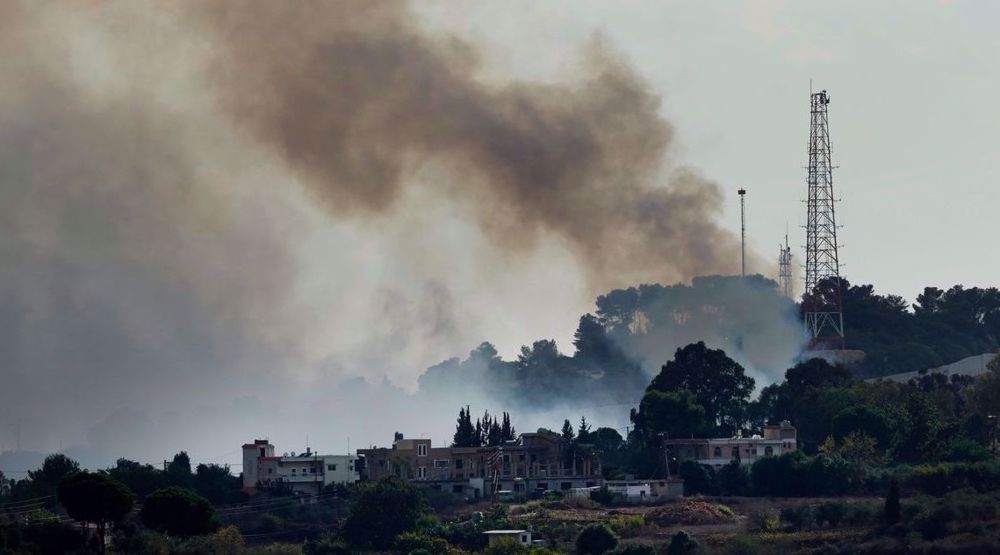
pixel 522 537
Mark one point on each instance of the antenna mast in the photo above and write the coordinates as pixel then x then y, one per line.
pixel 743 233
pixel 823 299
pixel 785 269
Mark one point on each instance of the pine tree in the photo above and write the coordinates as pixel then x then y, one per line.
pixel 507 432
pixel 583 434
pixel 567 432
pixel 465 433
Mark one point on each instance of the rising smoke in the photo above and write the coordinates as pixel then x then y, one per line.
pixel 212 214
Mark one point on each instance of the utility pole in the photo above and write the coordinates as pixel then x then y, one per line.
pixel 743 233
pixel 823 297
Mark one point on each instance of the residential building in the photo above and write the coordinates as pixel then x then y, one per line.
pixel 535 462
pixel 717 452
pixel 307 472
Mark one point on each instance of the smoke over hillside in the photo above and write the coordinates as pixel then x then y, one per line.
pixel 213 214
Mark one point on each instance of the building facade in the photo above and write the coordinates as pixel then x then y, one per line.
pixel 535 462
pixel 304 473
pixel 717 452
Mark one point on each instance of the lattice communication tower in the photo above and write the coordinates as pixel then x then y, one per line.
pixel 823 299
pixel 785 269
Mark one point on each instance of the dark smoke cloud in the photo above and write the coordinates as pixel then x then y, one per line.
pixel 358 99
pixel 166 284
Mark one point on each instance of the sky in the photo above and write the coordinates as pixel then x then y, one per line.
pixel 911 119
pixel 198 253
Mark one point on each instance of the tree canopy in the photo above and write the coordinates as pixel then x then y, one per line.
pixel 178 512
pixel 95 498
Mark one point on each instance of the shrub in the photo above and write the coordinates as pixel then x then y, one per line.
pixel 626 526
pixel 636 549
pixel 698 478
pixel 797 517
pixel 595 540
pixel 327 544
pixel 382 511
pixel 408 542
pixel 763 521
pixel 831 513
pixel 506 546
pixel 606 497
pixel 682 544
pixel 733 479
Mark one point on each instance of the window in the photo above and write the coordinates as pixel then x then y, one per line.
pixel 459 464
pixel 565 486
pixel 270 471
pixel 312 470
pixel 331 467
pixel 768 451
pixel 422 450
pixel 736 452
pixel 422 472
pixel 262 452
pixel 717 452
pixel 293 471
pixel 524 538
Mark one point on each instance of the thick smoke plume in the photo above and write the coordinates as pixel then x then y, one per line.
pixel 359 100
pixel 214 213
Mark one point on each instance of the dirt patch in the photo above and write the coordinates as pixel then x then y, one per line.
pixel 690 512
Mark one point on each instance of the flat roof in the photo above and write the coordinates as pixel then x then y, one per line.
pixel 504 532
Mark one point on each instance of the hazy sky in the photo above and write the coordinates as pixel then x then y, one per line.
pixel 179 271
pixel 912 118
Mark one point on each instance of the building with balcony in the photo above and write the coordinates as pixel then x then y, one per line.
pixel 717 452
pixel 307 472
pixel 535 462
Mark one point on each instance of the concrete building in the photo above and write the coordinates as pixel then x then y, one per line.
pixel 777 439
pixel 535 462
pixel 304 473
pixel 522 537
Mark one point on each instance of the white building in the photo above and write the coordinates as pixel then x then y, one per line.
pixel 718 452
pixel 522 537
pixel 305 473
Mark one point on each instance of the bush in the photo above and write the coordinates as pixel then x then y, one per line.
pixel 798 517
pixel 831 513
pixel 682 544
pixel 595 540
pixel 506 546
pixel 733 479
pixel 626 526
pixel 763 521
pixel 327 544
pixel 698 478
pixel 636 549
pixel 409 542
pixel 606 497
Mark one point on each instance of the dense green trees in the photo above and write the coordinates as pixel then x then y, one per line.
pixel 487 431
pixel 96 499
pixel 596 539
pixel 383 510
pixel 178 512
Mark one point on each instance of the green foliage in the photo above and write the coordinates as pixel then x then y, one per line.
pixel 698 478
pixel 764 520
pixel 327 544
pixel 626 526
pixel 798 517
pixel 733 479
pixel 636 549
pixel 506 546
pixel 142 479
pixel 596 539
pixel 96 499
pixel 606 497
pixel 720 385
pixel 54 469
pixel 178 512
pixel 409 542
pixel 381 511
pixel 682 543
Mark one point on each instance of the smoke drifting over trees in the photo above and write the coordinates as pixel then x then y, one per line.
pixel 213 214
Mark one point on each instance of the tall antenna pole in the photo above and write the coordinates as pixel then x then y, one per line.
pixel 743 233
pixel 785 268
pixel 822 299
